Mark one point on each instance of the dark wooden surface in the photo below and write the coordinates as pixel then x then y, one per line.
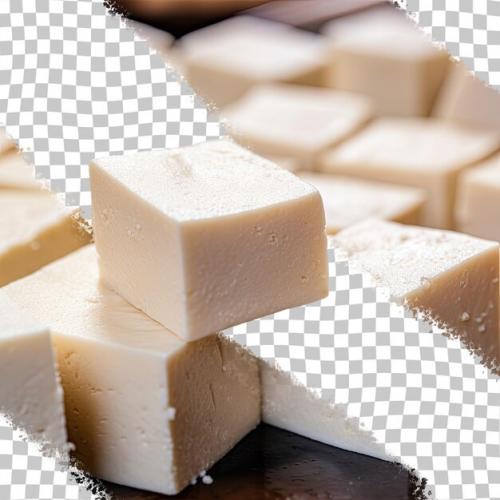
pixel 274 464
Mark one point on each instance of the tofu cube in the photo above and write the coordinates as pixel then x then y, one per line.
pixel 35 229
pixel 30 391
pixel 423 153
pixel 467 100
pixel 207 237
pixel 295 121
pixel 398 68
pixel 450 276
pixel 348 201
pixel 222 62
pixel 478 200
pixel 144 408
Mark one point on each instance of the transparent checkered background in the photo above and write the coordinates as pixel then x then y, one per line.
pixel 470 30
pixel 75 83
pixel 25 473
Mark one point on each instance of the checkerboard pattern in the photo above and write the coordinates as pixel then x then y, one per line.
pixel 425 397
pixel 470 30
pixel 26 474
pixel 76 83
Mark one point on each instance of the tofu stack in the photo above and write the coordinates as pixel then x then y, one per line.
pixel 210 236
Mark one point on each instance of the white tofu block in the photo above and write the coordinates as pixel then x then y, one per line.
pixel 348 201
pixel 207 237
pixel 30 392
pixel 450 276
pixel 291 406
pixel 222 62
pixel 35 229
pixel 398 68
pixel 467 100
pixel 295 121
pixel 478 200
pixel 423 153
pixel 16 173
pixel 7 145
pixel 290 164
pixel 144 408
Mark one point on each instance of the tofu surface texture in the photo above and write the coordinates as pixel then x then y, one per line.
pixel 396 66
pixel 348 201
pixel 35 229
pixel 423 153
pixel 295 121
pixel 467 100
pixel 207 237
pixel 30 391
pixel 222 62
pixel 478 200
pixel 451 276
pixel 144 408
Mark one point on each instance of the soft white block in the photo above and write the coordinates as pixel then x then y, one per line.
pixel 295 121
pixel 451 276
pixel 16 173
pixel 35 229
pixel 222 62
pixel 348 201
pixel 423 153
pixel 478 200
pixel 144 408
pixel 207 237
pixel 30 391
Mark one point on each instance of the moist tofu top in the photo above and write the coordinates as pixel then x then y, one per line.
pixel 209 180
pixel 68 296
pixel 298 115
pixel 14 321
pixel 403 258
pixel 255 47
pixel 24 214
pixel 413 144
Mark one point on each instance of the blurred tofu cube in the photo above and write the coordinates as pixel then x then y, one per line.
pixel 389 61
pixel 423 153
pixel 223 61
pixel 467 100
pixel 478 200
pixel 450 277
pixel 348 201
pixel 295 121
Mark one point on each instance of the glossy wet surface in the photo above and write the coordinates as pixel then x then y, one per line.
pixel 274 464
